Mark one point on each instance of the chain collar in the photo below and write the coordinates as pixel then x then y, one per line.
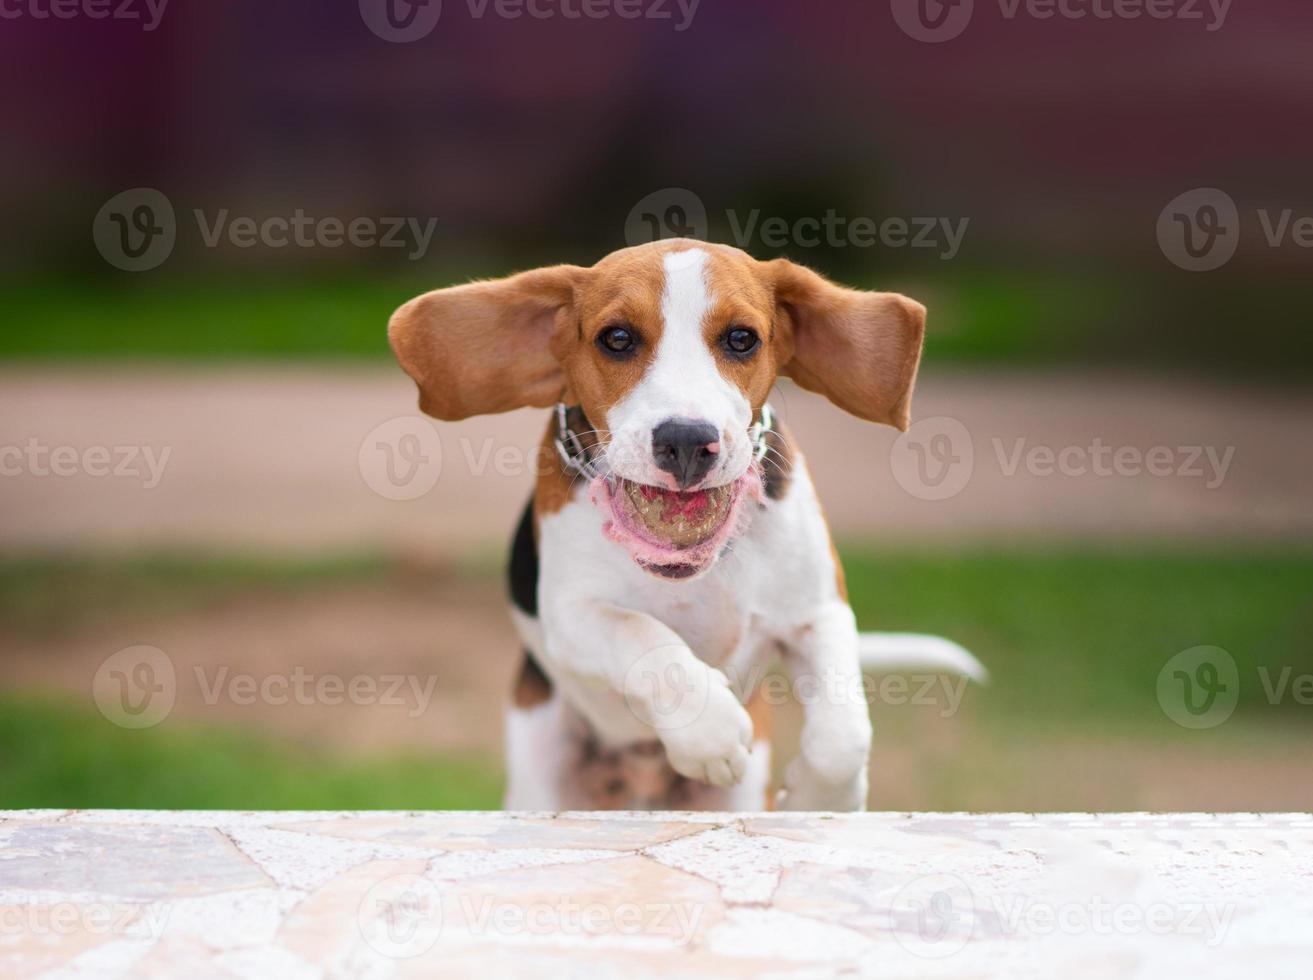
pixel 574 454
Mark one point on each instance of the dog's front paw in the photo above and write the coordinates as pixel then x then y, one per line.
pixel 712 747
pixel 830 771
pixel 806 789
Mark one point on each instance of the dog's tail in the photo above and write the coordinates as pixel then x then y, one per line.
pixel 888 653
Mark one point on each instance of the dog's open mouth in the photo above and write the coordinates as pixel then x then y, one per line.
pixel 671 533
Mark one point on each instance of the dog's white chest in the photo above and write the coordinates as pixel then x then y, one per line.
pixel 731 618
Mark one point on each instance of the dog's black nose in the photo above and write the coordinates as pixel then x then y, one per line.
pixel 686 449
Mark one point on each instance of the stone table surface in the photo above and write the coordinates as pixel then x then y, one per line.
pixel 90 893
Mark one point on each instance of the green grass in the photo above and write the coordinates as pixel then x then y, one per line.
pixel 1079 638
pixel 161 318
pixel 54 756
pixel 1033 316
pixel 1074 642
pixel 44 595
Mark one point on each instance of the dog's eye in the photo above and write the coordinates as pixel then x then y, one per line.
pixel 617 340
pixel 741 340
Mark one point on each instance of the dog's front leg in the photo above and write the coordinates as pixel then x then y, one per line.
pixel 673 695
pixel 830 770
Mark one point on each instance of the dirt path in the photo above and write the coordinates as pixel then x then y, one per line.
pixel 452 643
pixel 283 458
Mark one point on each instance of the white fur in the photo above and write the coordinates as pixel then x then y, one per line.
pixel 621 646
pixel 537 756
pixel 892 652
pixel 640 657
pixel 682 381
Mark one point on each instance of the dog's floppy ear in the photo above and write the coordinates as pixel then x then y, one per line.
pixel 484 347
pixel 858 349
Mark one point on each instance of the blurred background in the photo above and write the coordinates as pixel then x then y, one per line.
pixel 236 571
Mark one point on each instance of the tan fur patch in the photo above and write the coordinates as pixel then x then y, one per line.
pixel 532 686
pixel 759 710
pixel 530 339
pixel 839 580
pixel 555 486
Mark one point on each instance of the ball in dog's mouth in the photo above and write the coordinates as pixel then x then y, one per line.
pixel 674 534
pixel 679 518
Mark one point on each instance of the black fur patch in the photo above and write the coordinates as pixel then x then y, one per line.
pixel 533 687
pixel 523 570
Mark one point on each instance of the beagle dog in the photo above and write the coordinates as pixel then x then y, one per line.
pixel 674 550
